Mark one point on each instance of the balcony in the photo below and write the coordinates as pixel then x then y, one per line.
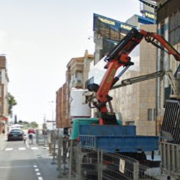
pixel 77 83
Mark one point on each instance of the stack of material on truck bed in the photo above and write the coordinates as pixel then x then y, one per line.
pixel 171 123
pixel 115 138
pixel 170 151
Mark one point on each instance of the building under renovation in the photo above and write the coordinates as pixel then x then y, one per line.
pixel 76 76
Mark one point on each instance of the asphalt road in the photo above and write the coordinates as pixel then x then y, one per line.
pixel 18 162
pixel 24 161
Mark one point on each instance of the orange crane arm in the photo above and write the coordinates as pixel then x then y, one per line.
pixel 118 57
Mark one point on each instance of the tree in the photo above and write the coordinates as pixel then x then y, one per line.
pixel 20 122
pixel 11 102
pixel 33 124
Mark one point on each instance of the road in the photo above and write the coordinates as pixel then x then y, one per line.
pixel 21 161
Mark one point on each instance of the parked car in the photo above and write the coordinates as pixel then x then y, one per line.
pixel 15 134
pixel 31 131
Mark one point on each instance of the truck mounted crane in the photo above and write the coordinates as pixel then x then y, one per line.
pixel 118 57
pixel 107 133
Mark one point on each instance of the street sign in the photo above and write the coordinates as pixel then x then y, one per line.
pixel 50 121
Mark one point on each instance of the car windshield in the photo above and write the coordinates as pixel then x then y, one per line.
pixel 16 131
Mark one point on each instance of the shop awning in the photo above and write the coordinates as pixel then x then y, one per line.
pixel 3 118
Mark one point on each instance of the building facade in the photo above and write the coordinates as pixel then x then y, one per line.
pixel 61 108
pixel 168 26
pixel 76 77
pixel 4 80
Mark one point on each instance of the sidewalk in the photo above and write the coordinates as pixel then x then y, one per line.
pixel 2 141
pixel 48 169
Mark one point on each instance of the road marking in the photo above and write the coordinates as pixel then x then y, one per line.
pixel 34 148
pixel 40 178
pixel 34 166
pixel 38 173
pixel 36 170
pixel 46 148
pixel 3 146
pixel 7 167
pixel 27 144
pixel 8 149
pixel 21 148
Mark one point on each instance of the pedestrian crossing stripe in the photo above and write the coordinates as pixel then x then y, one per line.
pixel 21 149
pixel 8 149
pixel 34 148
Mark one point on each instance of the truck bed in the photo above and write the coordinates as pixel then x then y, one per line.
pixel 116 139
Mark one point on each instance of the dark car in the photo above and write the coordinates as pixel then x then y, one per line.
pixel 15 134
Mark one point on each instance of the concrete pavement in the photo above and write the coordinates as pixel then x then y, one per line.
pixel 17 162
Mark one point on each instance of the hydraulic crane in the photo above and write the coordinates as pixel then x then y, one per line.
pixel 169 73
pixel 118 57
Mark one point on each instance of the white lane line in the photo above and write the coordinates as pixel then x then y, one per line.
pixel 27 144
pixel 34 166
pixel 3 146
pixel 21 148
pixel 7 167
pixel 38 173
pixel 40 178
pixel 36 170
pixel 34 148
pixel 8 149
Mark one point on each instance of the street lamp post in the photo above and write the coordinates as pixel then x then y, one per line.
pixel 52 102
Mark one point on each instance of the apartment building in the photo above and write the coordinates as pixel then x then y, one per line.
pixel 3 93
pixel 168 26
pixel 76 77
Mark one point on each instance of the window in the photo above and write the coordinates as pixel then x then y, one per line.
pixel 151 114
pixel 174 28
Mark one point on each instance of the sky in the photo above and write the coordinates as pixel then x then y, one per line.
pixel 39 38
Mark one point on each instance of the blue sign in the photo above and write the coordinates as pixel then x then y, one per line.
pixel 121 27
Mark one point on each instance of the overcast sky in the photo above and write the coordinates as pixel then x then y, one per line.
pixel 39 37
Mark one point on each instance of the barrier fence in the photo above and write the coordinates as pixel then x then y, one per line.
pixel 170 164
pixel 41 137
pixel 77 163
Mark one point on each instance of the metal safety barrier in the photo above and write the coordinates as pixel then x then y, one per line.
pixel 170 156
pixel 88 164
pixel 41 137
pixel 77 163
